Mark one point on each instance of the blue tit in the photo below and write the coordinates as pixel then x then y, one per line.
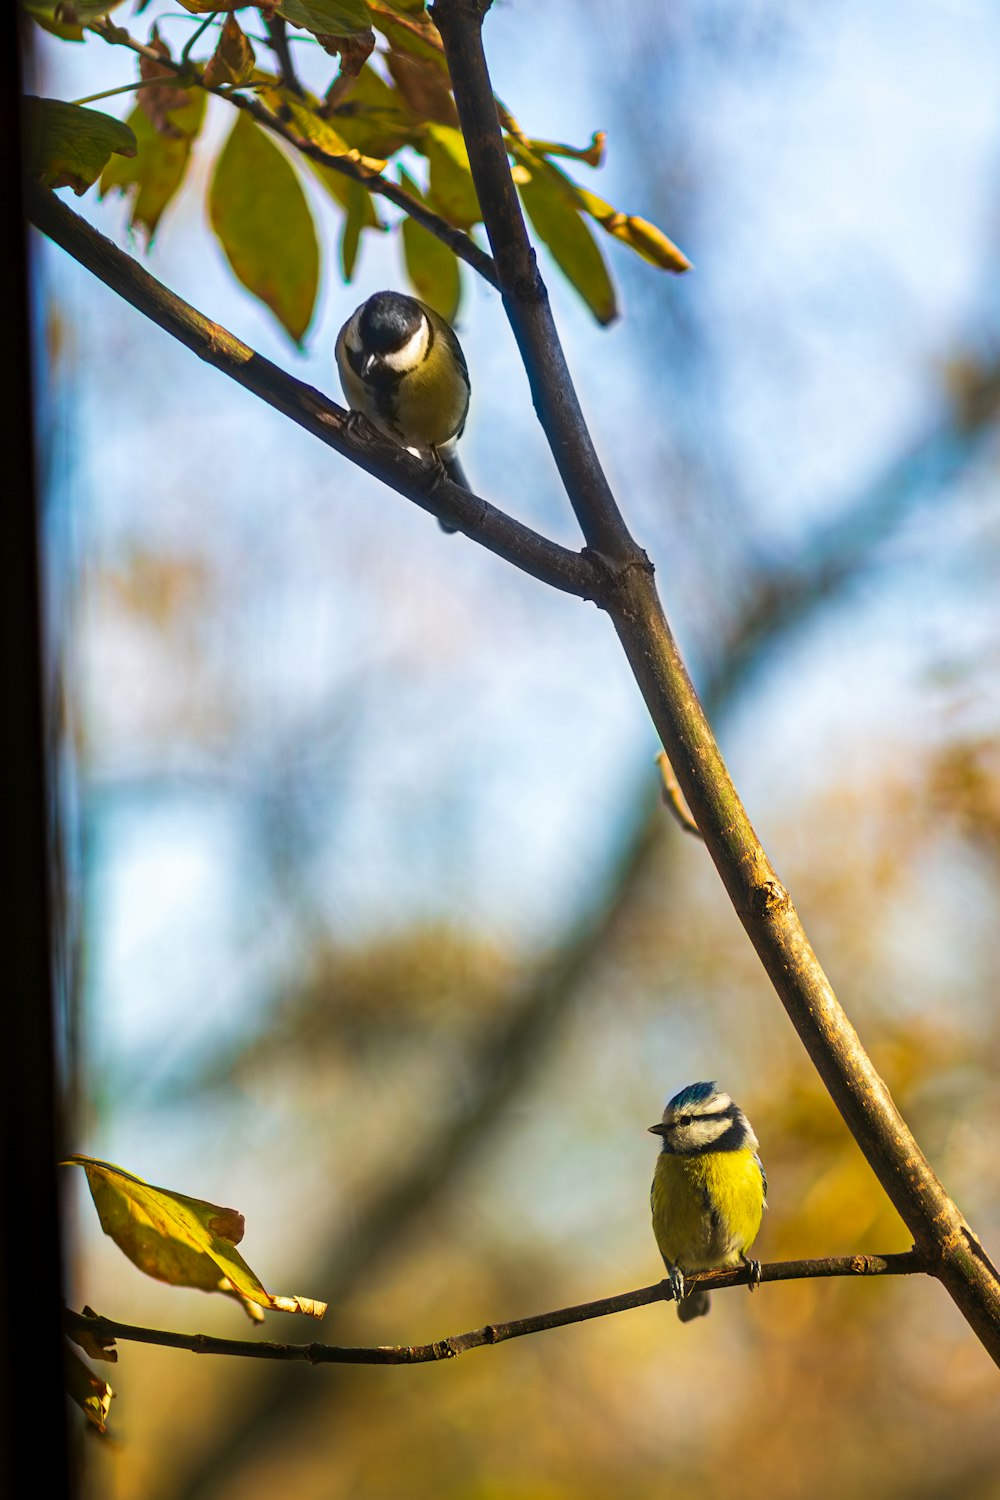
pixel 402 367
pixel 709 1191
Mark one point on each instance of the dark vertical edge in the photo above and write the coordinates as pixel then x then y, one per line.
pixel 34 1447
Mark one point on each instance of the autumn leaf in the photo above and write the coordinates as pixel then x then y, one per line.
pixel 639 234
pixel 156 172
pixel 354 50
pixel 593 154
pixel 92 1394
pixel 181 1240
pixel 207 7
pixel 373 117
pixel 419 38
pixel 233 59
pixel 97 1345
pixel 160 98
pixel 68 146
pixel 425 88
pixel 260 215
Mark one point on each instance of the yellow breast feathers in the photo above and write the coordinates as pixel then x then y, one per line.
pixel 706 1209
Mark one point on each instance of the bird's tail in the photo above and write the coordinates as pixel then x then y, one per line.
pixel 455 472
pixel 694 1304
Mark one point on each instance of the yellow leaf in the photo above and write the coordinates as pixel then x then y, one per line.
pixel 559 226
pixel 593 154
pixel 639 234
pixel 156 172
pixel 260 215
pixel 303 117
pixel 452 191
pixel 92 1394
pixel 181 1240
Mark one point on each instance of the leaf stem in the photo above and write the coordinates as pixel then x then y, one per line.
pixel 193 38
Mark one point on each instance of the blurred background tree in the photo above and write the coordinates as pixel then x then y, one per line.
pixel 376 928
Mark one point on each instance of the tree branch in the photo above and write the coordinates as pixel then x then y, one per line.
pixel 461 244
pixel 760 900
pixel 353 438
pixel 908 1263
pixel 525 296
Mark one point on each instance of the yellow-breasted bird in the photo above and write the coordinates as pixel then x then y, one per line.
pixel 709 1191
pixel 402 367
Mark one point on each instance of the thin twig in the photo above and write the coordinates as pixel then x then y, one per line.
pixel 908 1263
pixel 461 244
pixel 192 40
pixel 278 35
pixel 673 797
pixel 572 572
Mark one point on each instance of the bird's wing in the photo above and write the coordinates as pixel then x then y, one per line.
pixel 763 1175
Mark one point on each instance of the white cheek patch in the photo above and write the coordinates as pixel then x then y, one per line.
pixel 352 335
pixel 413 351
pixel 703 1132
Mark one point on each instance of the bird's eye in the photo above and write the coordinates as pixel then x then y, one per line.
pixel 681 1120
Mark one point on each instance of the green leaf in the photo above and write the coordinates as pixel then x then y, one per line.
pixel 559 226
pixel 432 268
pixel 68 146
pixel 156 173
pixel 452 191
pixel 261 217
pixel 330 17
pixel 62 17
pixel 181 1240
pixel 92 1394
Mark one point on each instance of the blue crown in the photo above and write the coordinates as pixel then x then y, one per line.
pixel 695 1093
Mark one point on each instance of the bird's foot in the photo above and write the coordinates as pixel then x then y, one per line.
pixel 436 472
pixel 753 1272
pixel 675 1276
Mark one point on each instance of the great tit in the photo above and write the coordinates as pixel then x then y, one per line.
pixel 402 367
pixel 709 1191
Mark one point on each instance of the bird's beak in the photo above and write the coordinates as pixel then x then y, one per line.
pixel 366 368
pixel 660 1129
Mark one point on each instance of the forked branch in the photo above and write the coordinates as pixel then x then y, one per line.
pixel 761 901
